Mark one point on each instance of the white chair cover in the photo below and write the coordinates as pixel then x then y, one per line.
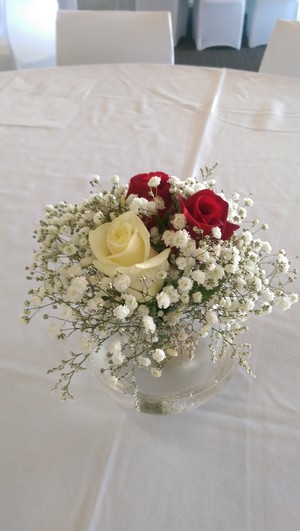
pixel 87 37
pixel 282 55
pixel 179 11
pixel 67 4
pixel 262 16
pixel 106 4
pixel 31 29
pixel 218 23
pixel 7 61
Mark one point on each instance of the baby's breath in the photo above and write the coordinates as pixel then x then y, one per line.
pixel 209 288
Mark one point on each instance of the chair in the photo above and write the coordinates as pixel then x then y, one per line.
pixel 31 29
pixel 179 12
pixel 67 4
pixel 262 16
pixel 7 60
pixel 87 37
pixel 282 55
pixel 218 23
pixel 106 4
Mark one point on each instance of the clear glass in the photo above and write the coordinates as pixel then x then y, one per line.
pixel 184 384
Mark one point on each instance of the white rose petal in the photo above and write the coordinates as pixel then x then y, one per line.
pixel 123 246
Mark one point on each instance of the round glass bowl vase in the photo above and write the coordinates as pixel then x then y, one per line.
pixel 184 383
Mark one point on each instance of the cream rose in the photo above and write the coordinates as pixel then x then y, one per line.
pixel 123 246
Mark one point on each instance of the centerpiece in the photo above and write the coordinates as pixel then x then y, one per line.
pixel 158 277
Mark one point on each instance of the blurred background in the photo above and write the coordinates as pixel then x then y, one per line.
pixel 31 30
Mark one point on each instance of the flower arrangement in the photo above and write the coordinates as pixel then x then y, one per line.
pixel 141 269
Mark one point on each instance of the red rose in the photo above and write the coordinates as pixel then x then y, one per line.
pixel 138 185
pixel 207 210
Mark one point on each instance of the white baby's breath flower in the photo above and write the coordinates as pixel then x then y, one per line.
pixel 130 302
pixel 143 309
pixel 179 221
pixel 36 301
pixel 77 289
pixel 216 232
pixel 294 298
pixel 182 335
pixel 181 239
pixel 181 262
pixel 267 247
pixel 217 272
pixel 185 299
pixel 168 238
pixel 112 380
pixel 159 204
pixel 231 268
pixel 247 305
pixel 144 361
pixel 149 324
pixel 248 201
pixel 204 331
pixel 282 263
pixel 156 372
pixel 173 352
pixel 138 204
pixel 69 249
pixel 197 297
pixel 54 329
pixel 162 292
pixel 158 355
pixel 211 317
pixel 173 180
pixel 118 358
pixel 185 284
pixel 115 179
pixel 267 294
pixel 154 181
pixel 75 270
pixel 24 319
pixel 163 300
pixel 87 345
pixel 152 206
pixel 105 283
pixel 248 237
pixel 172 294
pixel 121 312
pixel 284 303
pixel 121 282
pixel 114 346
pixel 258 284
pixel 198 276
pixel 98 217
pixel 67 311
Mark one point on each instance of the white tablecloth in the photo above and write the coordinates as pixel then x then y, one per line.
pixel 92 465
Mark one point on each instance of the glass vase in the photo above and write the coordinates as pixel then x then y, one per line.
pixel 184 383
